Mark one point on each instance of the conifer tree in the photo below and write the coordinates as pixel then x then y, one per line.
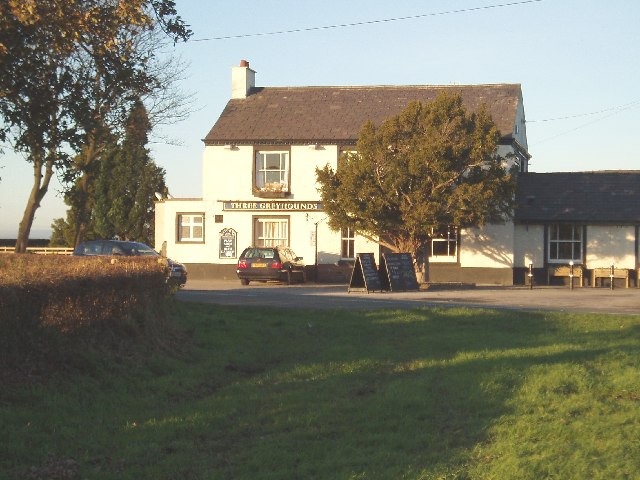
pixel 122 194
pixel 433 165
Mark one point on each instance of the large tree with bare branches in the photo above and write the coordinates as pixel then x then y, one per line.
pixel 69 69
pixel 433 165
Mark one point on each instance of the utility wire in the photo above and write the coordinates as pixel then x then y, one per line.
pixel 618 110
pixel 369 22
pixel 623 107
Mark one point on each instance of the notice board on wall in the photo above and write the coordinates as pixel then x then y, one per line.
pixel 397 272
pixel 228 243
pixel 365 274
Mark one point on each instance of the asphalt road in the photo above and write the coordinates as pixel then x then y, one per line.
pixel 311 295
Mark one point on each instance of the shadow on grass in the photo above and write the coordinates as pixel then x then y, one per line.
pixel 373 394
pixel 270 393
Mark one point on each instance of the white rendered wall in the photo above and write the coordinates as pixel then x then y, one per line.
pixel 521 136
pixel 610 245
pixel 237 184
pixel 489 247
pixel 159 225
pixel 166 218
pixel 529 246
pixel 228 173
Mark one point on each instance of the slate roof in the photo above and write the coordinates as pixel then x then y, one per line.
pixel 335 115
pixel 608 197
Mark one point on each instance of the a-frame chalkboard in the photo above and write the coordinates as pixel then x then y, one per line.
pixel 397 272
pixel 365 274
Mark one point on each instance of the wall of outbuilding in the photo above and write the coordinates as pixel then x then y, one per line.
pixel 611 245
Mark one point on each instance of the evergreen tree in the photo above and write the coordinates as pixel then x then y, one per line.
pixel 122 194
pixel 126 184
pixel 431 166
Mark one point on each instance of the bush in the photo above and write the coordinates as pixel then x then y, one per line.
pixel 46 302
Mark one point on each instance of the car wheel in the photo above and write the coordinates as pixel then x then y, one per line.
pixel 244 281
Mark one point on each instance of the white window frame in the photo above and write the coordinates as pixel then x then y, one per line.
pixel 270 177
pixel 449 236
pixel 190 227
pixel 271 231
pixel 555 242
pixel 347 243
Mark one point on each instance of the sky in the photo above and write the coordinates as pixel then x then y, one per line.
pixel 578 62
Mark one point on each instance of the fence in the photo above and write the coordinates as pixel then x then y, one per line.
pixel 41 250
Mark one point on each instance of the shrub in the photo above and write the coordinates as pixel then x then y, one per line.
pixel 46 302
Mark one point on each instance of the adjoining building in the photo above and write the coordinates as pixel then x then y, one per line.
pixel 259 185
pixel 588 219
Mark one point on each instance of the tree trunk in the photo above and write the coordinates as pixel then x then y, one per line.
pixel 422 268
pixel 38 191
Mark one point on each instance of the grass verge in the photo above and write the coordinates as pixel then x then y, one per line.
pixel 282 394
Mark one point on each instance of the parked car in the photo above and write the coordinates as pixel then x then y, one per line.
pixel 178 272
pixel 270 263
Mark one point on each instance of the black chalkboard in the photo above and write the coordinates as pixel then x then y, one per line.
pixel 365 274
pixel 397 272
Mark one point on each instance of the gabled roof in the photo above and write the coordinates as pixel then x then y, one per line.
pixel 599 197
pixel 335 115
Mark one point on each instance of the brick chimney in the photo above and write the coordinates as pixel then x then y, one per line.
pixel 243 79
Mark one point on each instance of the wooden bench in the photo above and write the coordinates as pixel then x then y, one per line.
pixel 606 273
pixel 565 271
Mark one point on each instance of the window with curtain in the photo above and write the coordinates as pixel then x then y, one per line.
pixel 270 232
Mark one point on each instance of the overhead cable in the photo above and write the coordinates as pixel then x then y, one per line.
pixel 368 22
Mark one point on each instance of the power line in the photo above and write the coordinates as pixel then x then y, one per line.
pixel 369 22
pixel 623 107
pixel 617 111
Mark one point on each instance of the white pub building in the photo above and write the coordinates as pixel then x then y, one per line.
pixel 259 188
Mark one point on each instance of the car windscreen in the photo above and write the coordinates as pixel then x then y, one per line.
pixel 139 249
pixel 259 253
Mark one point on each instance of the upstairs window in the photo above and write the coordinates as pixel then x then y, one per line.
pixel 565 243
pixel 272 173
pixel 191 227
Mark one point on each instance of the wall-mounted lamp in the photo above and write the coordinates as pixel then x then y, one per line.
pixel 315 146
pixel 230 147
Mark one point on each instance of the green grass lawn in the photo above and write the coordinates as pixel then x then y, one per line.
pixel 284 394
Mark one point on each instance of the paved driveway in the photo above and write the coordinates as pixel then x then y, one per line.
pixel 313 295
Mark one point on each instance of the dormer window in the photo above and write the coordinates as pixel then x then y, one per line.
pixel 271 173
